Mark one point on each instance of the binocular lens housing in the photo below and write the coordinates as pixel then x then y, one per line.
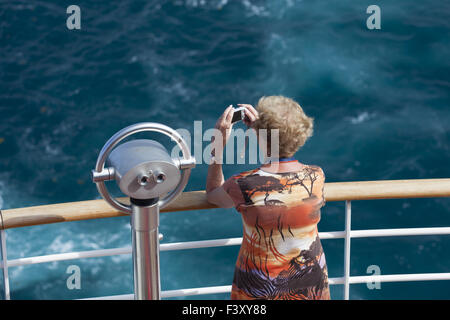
pixel 143 169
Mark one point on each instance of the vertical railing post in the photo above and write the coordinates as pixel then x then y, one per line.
pixel 145 246
pixel 348 227
pixel 4 261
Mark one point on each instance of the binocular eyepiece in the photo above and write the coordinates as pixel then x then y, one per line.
pixel 143 169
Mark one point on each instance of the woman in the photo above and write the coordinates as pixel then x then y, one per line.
pixel 281 256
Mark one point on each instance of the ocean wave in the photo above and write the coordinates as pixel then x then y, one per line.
pixel 61 245
pixel 361 117
pixel 379 99
pixel 217 4
pixel 252 8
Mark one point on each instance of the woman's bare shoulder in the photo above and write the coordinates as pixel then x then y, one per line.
pixel 317 170
pixel 244 174
pixel 315 167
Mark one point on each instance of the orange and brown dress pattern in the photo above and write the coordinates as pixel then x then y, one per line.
pixel 281 256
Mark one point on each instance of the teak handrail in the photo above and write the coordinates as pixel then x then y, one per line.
pixel 196 200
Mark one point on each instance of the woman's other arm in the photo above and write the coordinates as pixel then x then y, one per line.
pixel 214 191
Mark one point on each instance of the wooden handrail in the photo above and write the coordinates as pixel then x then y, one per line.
pixel 196 200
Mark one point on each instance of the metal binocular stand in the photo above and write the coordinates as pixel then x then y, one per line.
pixel 144 171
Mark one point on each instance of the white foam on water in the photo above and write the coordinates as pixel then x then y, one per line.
pixel 249 5
pixel 59 245
pixel 16 272
pixel 120 258
pixel 21 7
pixel 254 10
pixel 362 117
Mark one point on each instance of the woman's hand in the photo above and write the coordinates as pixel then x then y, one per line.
pixel 251 115
pixel 224 124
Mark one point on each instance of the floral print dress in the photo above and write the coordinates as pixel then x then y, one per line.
pixel 281 255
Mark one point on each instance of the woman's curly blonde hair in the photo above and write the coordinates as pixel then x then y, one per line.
pixel 286 115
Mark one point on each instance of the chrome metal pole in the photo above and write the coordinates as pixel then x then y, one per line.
pixel 348 230
pixel 145 245
pixel 4 262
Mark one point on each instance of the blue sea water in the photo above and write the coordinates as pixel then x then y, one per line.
pixel 380 100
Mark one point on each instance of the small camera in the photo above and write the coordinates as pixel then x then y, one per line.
pixel 238 115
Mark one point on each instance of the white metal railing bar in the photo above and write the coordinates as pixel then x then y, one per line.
pixel 220 242
pixel 348 227
pixel 347 234
pixel 399 232
pixel 68 256
pixel 331 281
pixel 195 291
pixel 172 293
pixel 337 280
pixel 117 297
pixel 200 244
pixel 127 250
pixel 331 235
pixel 400 277
pixel 5 261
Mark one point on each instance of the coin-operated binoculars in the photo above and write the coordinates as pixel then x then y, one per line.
pixel 144 171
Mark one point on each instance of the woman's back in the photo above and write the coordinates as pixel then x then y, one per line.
pixel 281 256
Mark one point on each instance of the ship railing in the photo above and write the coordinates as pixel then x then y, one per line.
pixel 196 200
